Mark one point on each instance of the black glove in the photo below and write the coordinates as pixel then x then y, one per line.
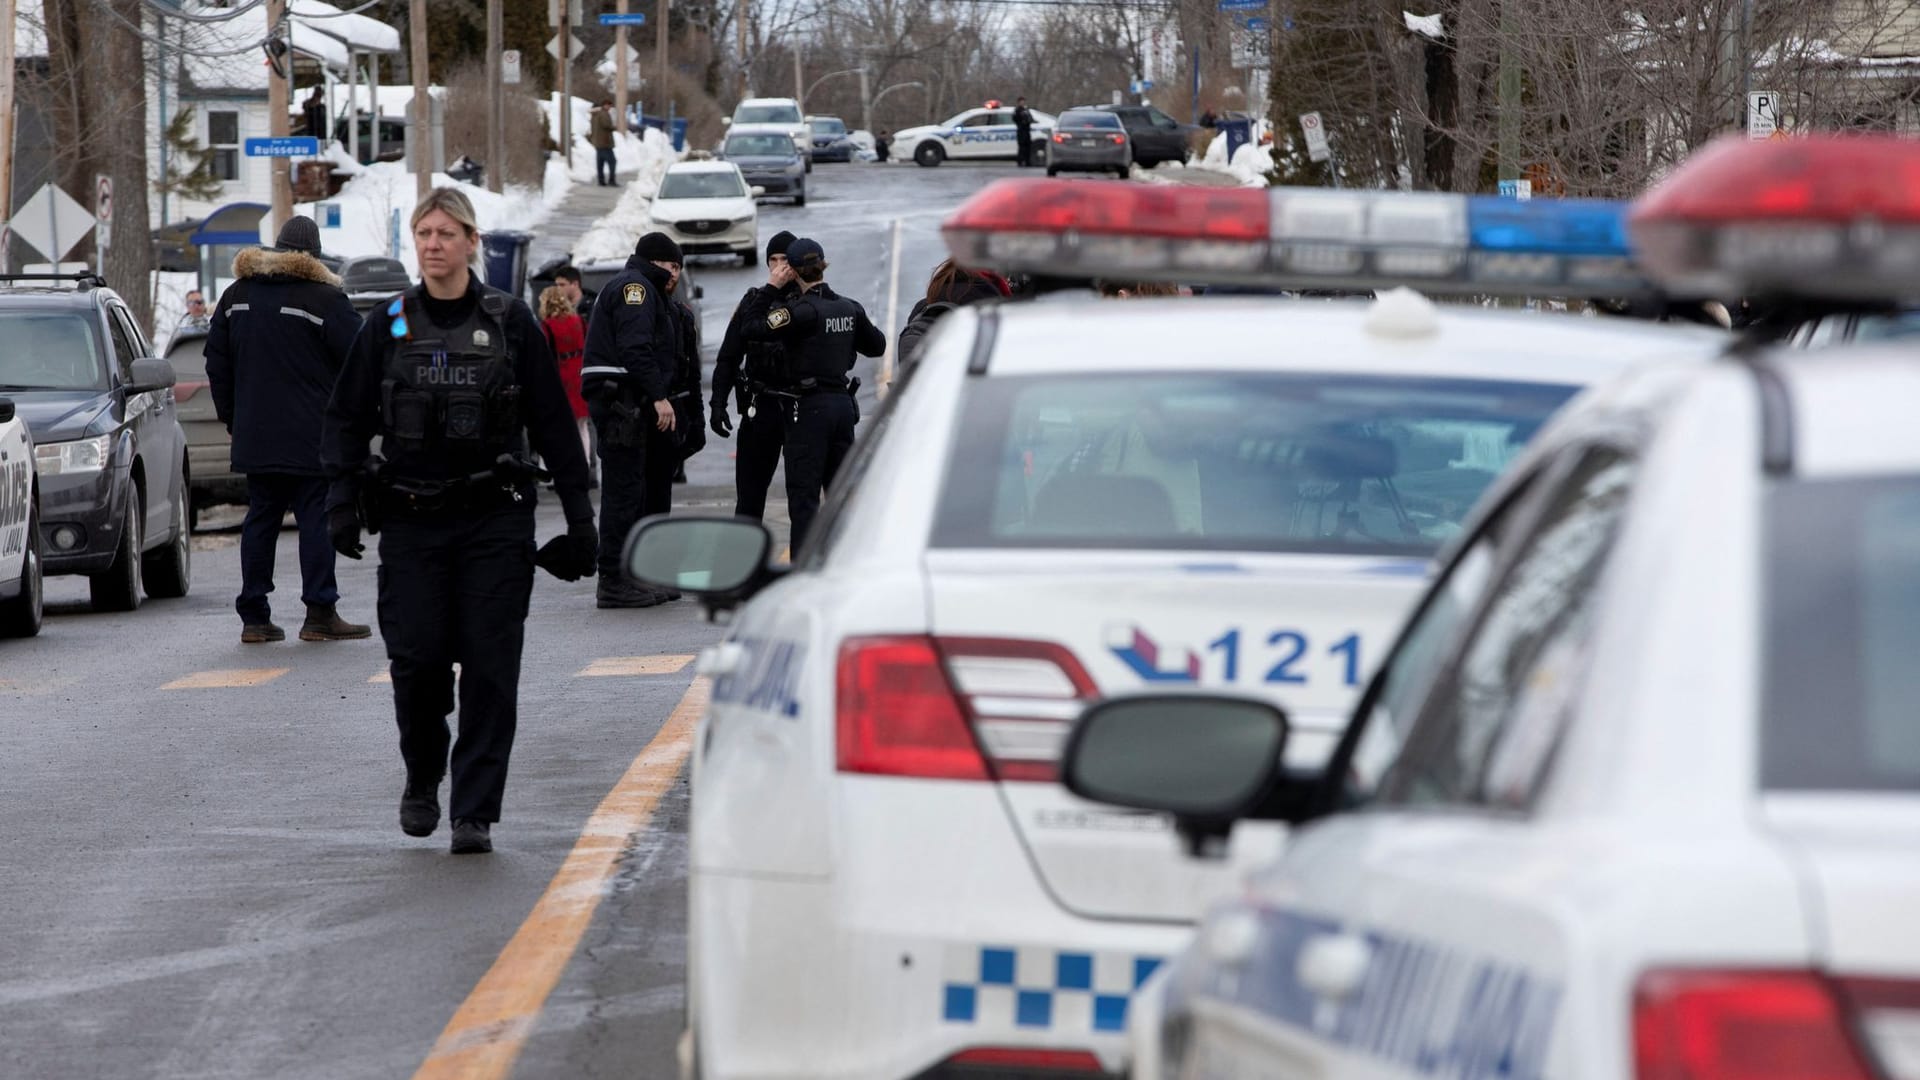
pixel 555 558
pixel 721 423
pixel 583 540
pixel 570 557
pixel 343 526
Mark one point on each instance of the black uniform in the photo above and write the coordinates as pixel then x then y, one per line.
pixel 667 449
pixel 749 370
pixel 632 353
pixel 450 386
pixel 1023 135
pixel 821 331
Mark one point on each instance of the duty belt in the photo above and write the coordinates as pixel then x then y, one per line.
pixel 494 488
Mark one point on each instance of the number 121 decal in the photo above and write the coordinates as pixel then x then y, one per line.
pixel 1277 657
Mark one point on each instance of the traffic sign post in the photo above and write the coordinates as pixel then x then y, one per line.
pixel 573 52
pixel 1316 133
pixel 102 211
pixel 51 222
pixel 1763 114
pixel 510 67
pixel 572 13
pixel 283 146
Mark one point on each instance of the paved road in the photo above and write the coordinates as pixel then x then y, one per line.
pixel 203 877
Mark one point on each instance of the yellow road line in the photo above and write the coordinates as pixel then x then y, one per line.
pixel 637 665
pixel 489 1029
pixel 214 680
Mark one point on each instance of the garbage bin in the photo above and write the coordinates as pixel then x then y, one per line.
pixel 679 133
pixel 1238 134
pixel 505 259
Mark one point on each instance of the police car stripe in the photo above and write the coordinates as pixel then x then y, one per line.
pixel 307 315
pixel 1038 988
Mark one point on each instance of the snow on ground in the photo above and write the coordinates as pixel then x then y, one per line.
pixel 629 154
pixel 371 200
pixel 1250 164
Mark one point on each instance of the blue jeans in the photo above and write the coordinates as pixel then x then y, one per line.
pixel 603 163
pixel 269 497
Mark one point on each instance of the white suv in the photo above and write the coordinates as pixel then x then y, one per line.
pixel 708 209
pixel 778 112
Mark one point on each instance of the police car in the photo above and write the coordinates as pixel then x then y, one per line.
pixel 20 571
pixel 983 134
pixel 1064 500
pixel 1653 785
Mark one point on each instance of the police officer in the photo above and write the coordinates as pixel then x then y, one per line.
pixel 749 370
pixel 455 378
pixel 633 351
pixel 821 331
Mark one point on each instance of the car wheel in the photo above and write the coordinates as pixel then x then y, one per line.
pixel 928 155
pixel 750 257
pixel 169 570
pixel 20 616
pixel 1123 172
pixel 809 162
pixel 1053 170
pixel 120 587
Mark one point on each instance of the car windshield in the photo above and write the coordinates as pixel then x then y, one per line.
pixel 828 127
pixel 1842 616
pixel 50 351
pixel 1905 324
pixel 767 114
pixel 1231 461
pixel 701 185
pixel 1090 119
pixel 759 146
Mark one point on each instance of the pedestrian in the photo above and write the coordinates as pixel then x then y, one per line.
pixel 196 315
pixel 277 340
pixel 951 286
pixel 568 279
pixel 1208 119
pixel 750 370
pixel 567 338
pixel 1023 132
pixel 821 331
pixel 456 380
pixel 632 353
pixel 882 145
pixel 600 135
pixel 315 111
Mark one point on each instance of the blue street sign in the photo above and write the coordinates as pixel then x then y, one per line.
pixel 638 18
pixel 1140 86
pixel 284 146
pixel 1257 23
pixel 1243 5
pixel 329 215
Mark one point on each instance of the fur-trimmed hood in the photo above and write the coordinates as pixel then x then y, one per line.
pixel 267 262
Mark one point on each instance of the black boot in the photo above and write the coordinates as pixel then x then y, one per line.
pixel 420 809
pixel 325 624
pixel 624 594
pixel 470 837
pixel 261 633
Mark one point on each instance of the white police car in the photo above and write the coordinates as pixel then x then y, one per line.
pixel 1068 499
pixel 983 134
pixel 20 595
pixel 1654 786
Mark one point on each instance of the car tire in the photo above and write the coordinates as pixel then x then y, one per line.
pixel 809 162
pixel 169 570
pixel 119 587
pixel 20 617
pixel 800 199
pixel 929 155
pixel 1123 172
pixel 750 257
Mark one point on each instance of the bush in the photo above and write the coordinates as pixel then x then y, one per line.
pixel 521 122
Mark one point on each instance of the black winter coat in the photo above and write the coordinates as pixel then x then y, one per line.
pixel 274 348
pixel 633 338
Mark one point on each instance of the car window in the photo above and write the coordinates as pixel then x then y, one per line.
pixel 767 114
pixel 1842 614
pixel 1485 732
pixel 759 146
pixel 1266 461
pixel 1905 324
pixel 702 185
pixel 827 527
pixel 50 351
pixel 187 354
pixel 1163 121
pixel 1089 118
pixel 125 351
pixel 827 127
pixel 1827 331
pixel 979 119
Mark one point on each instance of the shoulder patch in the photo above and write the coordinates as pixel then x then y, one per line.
pixel 634 293
pixel 778 318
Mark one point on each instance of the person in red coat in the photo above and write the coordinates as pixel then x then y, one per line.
pixel 567 334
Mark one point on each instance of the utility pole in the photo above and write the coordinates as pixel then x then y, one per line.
pixel 277 104
pixel 746 65
pixel 420 127
pixel 866 102
pixel 799 85
pixel 663 93
pixel 621 71
pixel 564 46
pixel 496 135
pixel 9 14
pixel 1510 93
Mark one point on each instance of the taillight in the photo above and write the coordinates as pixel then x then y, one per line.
pixel 955 708
pixel 1057 137
pixel 184 391
pixel 1117 139
pixel 991 1058
pixel 1742 1025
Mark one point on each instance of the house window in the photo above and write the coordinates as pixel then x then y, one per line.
pixel 223 141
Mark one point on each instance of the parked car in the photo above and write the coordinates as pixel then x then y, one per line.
pixel 830 140
pixel 768 159
pixel 209 447
pixel 370 279
pixel 783 112
pixel 707 208
pixel 1090 140
pixel 21 598
pixel 393 138
pixel 109 451
pixel 983 134
pixel 1156 136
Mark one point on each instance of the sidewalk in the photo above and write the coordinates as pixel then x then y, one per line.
pixel 584 205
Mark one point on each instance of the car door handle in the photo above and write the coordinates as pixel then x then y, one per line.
pixel 1333 966
pixel 719 661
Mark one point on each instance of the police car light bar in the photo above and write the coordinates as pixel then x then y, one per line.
pixel 1304 238
pixel 1829 217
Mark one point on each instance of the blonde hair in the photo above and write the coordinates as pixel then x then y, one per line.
pixel 454 203
pixel 554 303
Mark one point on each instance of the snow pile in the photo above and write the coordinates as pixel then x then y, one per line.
pixel 371 200
pixel 613 236
pixel 630 152
pixel 1427 26
pixel 1250 163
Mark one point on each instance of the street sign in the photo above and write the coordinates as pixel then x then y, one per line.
pixel 638 18
pixel 329 215
pixel 284 146
pixel 510 66
pixel 1140 86
pixel 553 13
pixel 1316 132
pixel 1516 189
pixel 102 211
pixel 573 53
pixel 1243 5
pixel 1258 23
pixel 51 222
pixel 1763 114
pixel 612 56
pixel 1249 49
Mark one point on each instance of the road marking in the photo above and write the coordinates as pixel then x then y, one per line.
pixel 487 1032
pixel 214 680
pixel 386 674
pixel 637 665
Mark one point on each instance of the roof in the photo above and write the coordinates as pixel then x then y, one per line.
pixel 702 167
pixel 29 31
pixel 227 55
pixel 355 30
pixel 1852 410
pixel 1253 333
pixel 769 101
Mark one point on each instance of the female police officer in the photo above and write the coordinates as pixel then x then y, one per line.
pixel 455 378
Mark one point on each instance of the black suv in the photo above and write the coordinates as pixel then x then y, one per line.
pixel 1156 137
pixel 108 447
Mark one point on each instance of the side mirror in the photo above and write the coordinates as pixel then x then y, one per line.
pixel 726 121
pixel 757 190
pixel 6 409
pixel 150 373
pixel 721 560
pixel 1206 760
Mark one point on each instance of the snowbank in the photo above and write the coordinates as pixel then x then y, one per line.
pixel 630 154
pixel 613 236
pixel 1250 164
pixel 372 199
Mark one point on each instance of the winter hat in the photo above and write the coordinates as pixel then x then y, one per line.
pixel 658 247
pixel 299 234
pixel 778 245
pixel 803 253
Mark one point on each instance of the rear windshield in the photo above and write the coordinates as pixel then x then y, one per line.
pixel 1841 685
pixel 701 185
pixel 759 146
pixel 50 351
pixel 1227 461
pixel 767 114
pixel 1090 119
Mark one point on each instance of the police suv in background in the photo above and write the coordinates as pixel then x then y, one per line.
pixel 984 134
pixel 1070 499
pixel 20 566
pixel 1652 795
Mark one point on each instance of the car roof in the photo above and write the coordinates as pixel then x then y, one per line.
pixel 702 167
pixel 1852 409
pixel 759 129
pixel 769 101
pixel 50 295
pixel 1251 333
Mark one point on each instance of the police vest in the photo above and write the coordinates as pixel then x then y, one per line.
pixel 451 393
pixel 823 357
